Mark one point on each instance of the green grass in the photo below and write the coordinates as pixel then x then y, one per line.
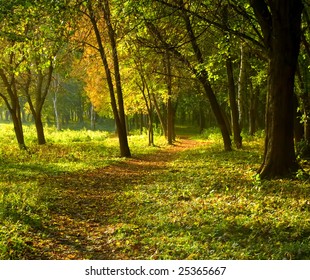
pixel 207 204
pixel 24 205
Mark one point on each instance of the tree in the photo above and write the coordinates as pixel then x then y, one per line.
pixel 231 85
pixel 95 10
pixel 187 47
pixel 32 33
pixel 280 22
pixel 47 29
pixel 11 63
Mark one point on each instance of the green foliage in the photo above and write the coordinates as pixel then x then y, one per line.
pixel 212 133
pixel 303 148
pixel 23 206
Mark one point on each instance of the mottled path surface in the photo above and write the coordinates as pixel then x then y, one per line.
pixel 79 227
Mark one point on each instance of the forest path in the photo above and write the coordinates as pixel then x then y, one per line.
pixel 79 226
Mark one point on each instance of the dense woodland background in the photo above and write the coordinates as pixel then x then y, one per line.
pixel 157 63
pixel 73 73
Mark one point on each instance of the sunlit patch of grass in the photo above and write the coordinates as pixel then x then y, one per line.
pixel 23 206
pixel 24 199
pixel 208 205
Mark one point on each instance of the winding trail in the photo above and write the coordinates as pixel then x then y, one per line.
pixel 78 226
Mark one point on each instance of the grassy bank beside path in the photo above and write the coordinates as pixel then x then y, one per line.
pixel 187 201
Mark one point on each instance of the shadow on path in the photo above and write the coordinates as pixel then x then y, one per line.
pixel 82 211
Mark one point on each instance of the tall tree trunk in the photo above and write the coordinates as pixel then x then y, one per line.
pixel 43 83
pixel 241 85
pixel 231 86
pixel 122 130
pixel 170 125
pixel 233 104
pixel 216 109
pixel 281 27
pixel 253 108
pixel 160 115
pixel 203 78
pixel 117 106
pixel 12 102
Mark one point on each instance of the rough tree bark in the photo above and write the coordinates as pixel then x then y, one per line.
pixel 280 22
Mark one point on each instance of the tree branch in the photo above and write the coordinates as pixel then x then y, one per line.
pixel 264 18
pixel 214 23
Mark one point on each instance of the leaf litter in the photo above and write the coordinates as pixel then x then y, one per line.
pixel 86 210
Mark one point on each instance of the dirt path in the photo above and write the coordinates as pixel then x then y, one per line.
pixel 79 227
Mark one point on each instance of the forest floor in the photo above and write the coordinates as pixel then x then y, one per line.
pixel 74 198
pixel 79 226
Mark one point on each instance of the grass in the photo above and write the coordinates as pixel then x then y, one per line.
pixel 206 203
pixel 24 203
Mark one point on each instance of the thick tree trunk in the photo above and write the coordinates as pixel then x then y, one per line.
pixel 279 156
pixel 39 125
pixel 283 41
pixel 233 104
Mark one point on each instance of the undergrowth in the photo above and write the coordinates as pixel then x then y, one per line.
pixel 206 204
pixel 23 203
pixel 209 205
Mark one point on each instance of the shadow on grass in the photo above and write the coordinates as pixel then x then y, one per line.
pixel 203 204
pixel 85 211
